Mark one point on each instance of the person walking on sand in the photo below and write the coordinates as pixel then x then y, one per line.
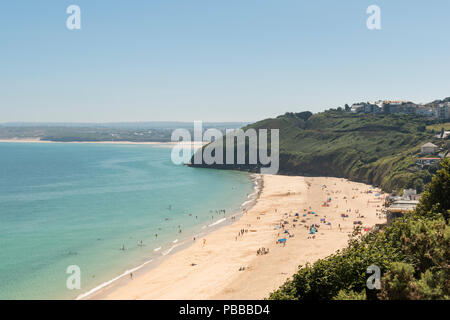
pixel 204 242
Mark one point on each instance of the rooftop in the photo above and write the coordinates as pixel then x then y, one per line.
pixel 429 144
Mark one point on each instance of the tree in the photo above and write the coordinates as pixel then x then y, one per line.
pixel 425 272
pixel 397 283
pixel 436 197
pixel 305 115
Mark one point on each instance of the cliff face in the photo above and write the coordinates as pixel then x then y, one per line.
pixel 380 150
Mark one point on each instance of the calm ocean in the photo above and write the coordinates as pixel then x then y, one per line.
pixel 78 204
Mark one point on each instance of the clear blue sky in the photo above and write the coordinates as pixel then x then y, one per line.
pixel 211 60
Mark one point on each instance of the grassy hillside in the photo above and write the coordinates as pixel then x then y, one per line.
pixel 380 150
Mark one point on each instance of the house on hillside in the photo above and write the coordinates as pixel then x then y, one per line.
pixel 410 194
pixel 424 111
pixel 429 148
pixel 357 107
pixel 407 108
pixel 365 107
pixel 443 111
pixel 371 108
pixel 392 107
pixel 398 208
pixel 427 161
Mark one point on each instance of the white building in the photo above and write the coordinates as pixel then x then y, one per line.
pixel 425 111
pixel 429 148
pixel 443 111
pixel 357 107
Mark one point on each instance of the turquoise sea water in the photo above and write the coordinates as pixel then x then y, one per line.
pixel 77 204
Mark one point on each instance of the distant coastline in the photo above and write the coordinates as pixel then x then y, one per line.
pixel 169 143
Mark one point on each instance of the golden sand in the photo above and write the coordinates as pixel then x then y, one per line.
pixel 228 267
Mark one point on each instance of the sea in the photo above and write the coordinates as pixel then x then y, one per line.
pixel 99 211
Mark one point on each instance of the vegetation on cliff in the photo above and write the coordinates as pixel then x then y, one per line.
pixel 380 150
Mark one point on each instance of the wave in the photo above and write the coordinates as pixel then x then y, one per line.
pixel 246 202
pixel 170 250
pixel 217 222
pixel 104 284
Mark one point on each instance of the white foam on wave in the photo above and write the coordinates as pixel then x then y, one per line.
pixel 175 241
pixel 246 202
pixel 104 284
pixel 157 249
pixel 170 250
pixel 217 222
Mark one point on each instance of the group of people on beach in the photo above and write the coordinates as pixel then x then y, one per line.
pixel 262 251
pixel 241 233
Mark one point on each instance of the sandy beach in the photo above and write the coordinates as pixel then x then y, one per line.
pixel 225 265
pixel 170 144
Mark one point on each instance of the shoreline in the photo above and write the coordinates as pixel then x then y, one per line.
pixel 176 246
pixel 168 143
pixel 213 270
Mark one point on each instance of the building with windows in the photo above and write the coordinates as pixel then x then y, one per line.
pixel 357 107
pixel 424 111
pixel 443 111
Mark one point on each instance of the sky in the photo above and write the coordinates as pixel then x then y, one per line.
pixel 210 60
